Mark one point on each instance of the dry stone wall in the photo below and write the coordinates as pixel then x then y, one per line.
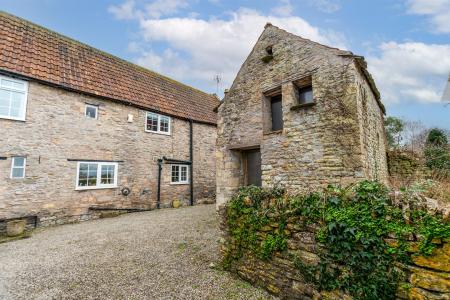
pixel 56 130
pixel 425 278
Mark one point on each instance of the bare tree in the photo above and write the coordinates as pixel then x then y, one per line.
pixel 414 135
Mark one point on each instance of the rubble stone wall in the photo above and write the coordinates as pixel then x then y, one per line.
pixel 425 278
pixel 56 130
pixel 338 139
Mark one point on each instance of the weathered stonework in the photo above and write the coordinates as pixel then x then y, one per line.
pixel 56 130
pixel 425 278
pixel 339 139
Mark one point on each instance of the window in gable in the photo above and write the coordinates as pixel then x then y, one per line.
pixel 18 164
pixel 305 95
pixel 179 174
pixel 91 111
pixel 13 98
pixel 304 91
pixel 157 123
pixel 276 111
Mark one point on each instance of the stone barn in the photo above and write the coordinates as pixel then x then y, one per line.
pixel 300 115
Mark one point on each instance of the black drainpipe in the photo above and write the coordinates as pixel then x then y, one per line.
pixel 158 200
pixel 191 158
pixel 191 173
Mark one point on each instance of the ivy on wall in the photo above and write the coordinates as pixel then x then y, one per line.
pixel 354 227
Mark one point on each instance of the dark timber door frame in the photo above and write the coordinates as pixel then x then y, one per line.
pixel 252 167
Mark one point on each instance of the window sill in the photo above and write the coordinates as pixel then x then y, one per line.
pixel 158 132
pixel 273 132
pixel 302 106
pixel 179 183
pixel 95 188
pixel 12 118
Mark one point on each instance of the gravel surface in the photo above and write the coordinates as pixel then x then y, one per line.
pixel 164 254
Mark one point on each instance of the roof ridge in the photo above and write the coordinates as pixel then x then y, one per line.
pixel 303 38
pixel 103 52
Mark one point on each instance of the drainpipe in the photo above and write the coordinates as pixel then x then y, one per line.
pixel 158 200
pixel 191 158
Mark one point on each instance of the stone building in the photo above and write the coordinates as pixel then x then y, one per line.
pixel 300 115
pixel 81 129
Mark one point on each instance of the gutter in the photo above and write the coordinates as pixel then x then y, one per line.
pixel 191 158
pixel 120 101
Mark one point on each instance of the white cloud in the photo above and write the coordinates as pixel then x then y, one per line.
pixel 125 11
pixel 284 9
pixel 437 10
pixel 160 8
pixel 201 49
pixel 155 9
pixel 328 6
pixel 410 71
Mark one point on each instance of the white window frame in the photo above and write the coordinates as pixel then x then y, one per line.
pixel 99 176
pixel 159 116
pixel 24 91
pixel 16 167
pixel 179 176
pixel 91 106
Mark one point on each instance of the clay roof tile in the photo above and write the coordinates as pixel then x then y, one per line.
pixel 38 53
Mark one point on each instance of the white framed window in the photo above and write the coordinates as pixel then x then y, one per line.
pixel 91 111
pixel 157 123
pixel 180 174
pixel 96 175
pixel 13 98
pixel 18 164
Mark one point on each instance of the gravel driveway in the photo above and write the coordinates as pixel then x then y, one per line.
pixel 162 254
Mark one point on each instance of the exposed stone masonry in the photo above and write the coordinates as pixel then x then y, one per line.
pixel 56 130
pixel 425 278
pixel 338 139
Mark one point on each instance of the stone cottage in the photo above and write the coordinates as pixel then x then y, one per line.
pixel 82 130
pixel 300 115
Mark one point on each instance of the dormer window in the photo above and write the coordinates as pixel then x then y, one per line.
pixel 13 98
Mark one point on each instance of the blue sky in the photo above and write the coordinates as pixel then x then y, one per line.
pixel 406 42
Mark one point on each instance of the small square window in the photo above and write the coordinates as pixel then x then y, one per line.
pixel 18 167
pixel 305 95
pixel 91 111
pixel 179 174
pixel 304 91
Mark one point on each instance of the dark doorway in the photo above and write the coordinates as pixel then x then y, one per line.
pixel 253 167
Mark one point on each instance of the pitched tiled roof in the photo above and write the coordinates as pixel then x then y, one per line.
pixel 38 53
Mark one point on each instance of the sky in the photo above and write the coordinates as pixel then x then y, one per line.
pixel 405 42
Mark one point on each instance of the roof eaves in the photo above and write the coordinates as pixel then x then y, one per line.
pixel 362 64
pixel 120 101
